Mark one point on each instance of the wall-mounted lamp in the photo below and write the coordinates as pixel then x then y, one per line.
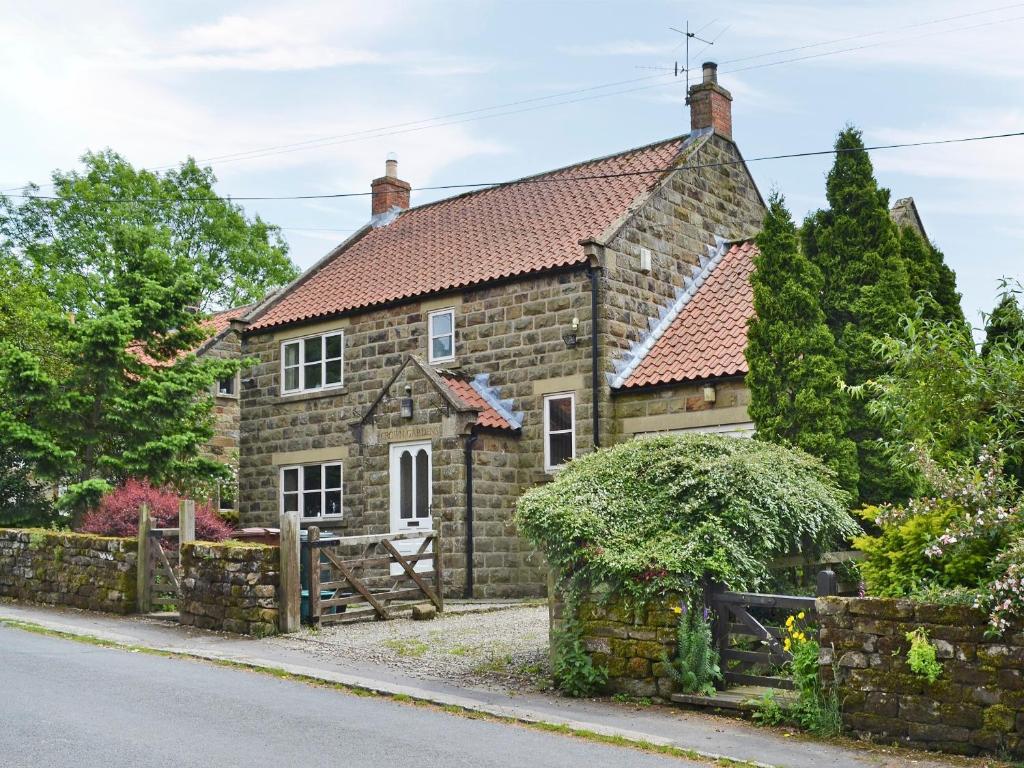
pixel 405 404
pixel 571 338
pixel 709 394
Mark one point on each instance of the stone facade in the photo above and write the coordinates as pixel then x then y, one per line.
pixel 976 705
pixel 631 644
pixel 96 573
pixel 511 329
pixel 227 415
pixel 230 587
pixel 683 407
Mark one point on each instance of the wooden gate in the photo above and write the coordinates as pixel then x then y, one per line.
pixel 159 560
pixel 734 620
pixel 366 580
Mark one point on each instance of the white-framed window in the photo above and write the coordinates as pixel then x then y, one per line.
pixel 312 363
pixel 312 490
pixel 441 336
pixel 228 387
pixel 559 430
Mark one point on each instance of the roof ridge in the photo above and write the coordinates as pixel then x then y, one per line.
pixel 541 174
pixel 625 366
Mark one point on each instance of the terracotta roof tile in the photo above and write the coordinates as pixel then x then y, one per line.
pixel 523 226
pixel 216 324
pixel 707 338
pixel 488 416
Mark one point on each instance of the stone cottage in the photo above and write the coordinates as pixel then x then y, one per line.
pixel 449 356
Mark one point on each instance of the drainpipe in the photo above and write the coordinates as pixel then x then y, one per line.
pixel 595 358
pixel 470 442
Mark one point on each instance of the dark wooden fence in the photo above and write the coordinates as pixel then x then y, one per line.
pixel 364 580
pixel 159 558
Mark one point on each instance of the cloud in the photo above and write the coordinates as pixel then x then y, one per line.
pixel 619 48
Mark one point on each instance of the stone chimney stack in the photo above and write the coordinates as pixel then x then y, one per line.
pixel 710 104
pixel 389 191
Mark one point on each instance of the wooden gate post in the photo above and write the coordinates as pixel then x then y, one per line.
pixel 143 592
pixel 438 567
pixel 290 598
pixel 186 522
pixel 313 539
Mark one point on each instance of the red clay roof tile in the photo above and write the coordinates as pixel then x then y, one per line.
pixel 707 338
pixel 523 226
pixel 488 417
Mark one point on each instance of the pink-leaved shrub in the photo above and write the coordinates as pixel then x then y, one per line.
pixel 118 513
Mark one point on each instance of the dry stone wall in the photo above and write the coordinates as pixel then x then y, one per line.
pixel 976 705
pixel 96 573
pixel 230 587
pixel 630 643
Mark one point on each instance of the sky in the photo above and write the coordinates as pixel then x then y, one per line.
pixel 309 97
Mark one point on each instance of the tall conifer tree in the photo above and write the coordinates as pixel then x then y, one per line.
pixel 792 356
pixel 1005 324
pixel 932 282
pixel 856 243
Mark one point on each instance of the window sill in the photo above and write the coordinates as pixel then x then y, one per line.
pixel 220 396
pixel 450 364
pixel 307 521
pixel 316 394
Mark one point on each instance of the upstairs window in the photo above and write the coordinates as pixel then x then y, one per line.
pixel 559 430
pixel 312 363
pixel 312 490
pixel 441 336
pixel 228 387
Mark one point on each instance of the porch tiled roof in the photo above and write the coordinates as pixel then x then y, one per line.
pixel 708 335
pixel 488 417
pixel 523 226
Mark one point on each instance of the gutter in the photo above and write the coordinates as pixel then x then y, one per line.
pixel 594 250
pixel 471 439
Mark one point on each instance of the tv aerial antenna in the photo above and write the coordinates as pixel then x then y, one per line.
pixel 687 36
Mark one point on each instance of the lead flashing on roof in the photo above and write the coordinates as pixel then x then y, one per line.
pixel 625 365
pixel 482 384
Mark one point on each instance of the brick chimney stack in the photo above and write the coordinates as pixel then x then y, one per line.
pixel 710 104
pixel 389 191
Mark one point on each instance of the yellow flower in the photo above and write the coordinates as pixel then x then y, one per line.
pixel 677 609
pixel 789 621
pixel 801 615
pixel 786 644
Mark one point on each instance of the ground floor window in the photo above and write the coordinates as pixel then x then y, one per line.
pixel 559 430
pixel 313 490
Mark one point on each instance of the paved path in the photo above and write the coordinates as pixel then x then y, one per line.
pixel 658 725
pixel 69 704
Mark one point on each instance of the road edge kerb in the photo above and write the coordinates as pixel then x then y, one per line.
pixel 450 704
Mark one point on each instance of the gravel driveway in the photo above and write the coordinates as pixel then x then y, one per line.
pixel 495 645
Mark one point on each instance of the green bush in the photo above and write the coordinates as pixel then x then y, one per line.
pixel 657 515
pixel 921 656
pixel 574 672
pixel 898 563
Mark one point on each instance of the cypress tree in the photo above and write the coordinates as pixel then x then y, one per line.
pixel 856 243
pixel 792 357
pixel 932 282
pixel 1004 325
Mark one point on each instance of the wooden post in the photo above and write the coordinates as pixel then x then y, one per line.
pixel 313 539
pixel 438 567
pixel 144 593
pixel 186 522
pixel 290 596
pixel 828 584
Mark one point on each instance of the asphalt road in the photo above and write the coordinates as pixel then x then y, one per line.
pixel 64 703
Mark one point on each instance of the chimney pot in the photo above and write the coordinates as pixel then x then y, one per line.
pixel 710 104
pixel 391 166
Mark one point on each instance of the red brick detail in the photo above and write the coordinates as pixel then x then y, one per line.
pixel 389 193
pixel 711 107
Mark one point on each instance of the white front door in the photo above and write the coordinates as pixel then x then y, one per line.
pixel 410 497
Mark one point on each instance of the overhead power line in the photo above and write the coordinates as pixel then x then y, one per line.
pixel 557 99
pixel 542 179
